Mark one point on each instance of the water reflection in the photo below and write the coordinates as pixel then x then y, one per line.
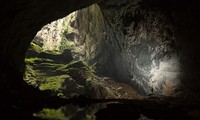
pixel 146 109
pixel 70 112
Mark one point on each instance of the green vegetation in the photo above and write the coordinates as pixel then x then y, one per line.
pixel 68 112
pixel 45 74
pixel 53 82
pixel 31 61
pixel 51 114
pixel 35 47
pixel 55 70
pixel 30 75
pixel 66 44
pixel 54 52
pixel 42 72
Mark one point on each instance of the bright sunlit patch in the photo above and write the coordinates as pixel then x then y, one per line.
pixel 52 33
pixel 166 77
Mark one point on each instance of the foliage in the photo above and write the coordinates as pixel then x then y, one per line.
pixel 53 52
pixel 51 114
pixel 42 72
pixel 35 47
pixel 52 82
pixel 31 61
pixel 49 70
pixel 65 44
pixel 30 75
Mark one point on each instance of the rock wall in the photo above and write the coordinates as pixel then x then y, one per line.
pixel 56 34
pixel 49 37
pixel 141 43
pixel 148 48
pixel 100 41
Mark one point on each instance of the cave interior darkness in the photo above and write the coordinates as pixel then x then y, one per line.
pixel 146 53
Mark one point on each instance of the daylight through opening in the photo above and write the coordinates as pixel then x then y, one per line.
pixel 62 58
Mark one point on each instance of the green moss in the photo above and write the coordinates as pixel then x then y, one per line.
pixel 32 61
pixel 51 76
pixel 30 75
pixel 65 44
pixel 85 71
pixel 72 65
pixel 53 82
pixel 38 73
pixel 62 68
pixel 53 52
pixel 30 72
pixel 35 47
pixel 51 114
pixel 43 71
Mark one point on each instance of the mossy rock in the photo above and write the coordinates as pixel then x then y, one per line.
pixel 51 114
pixel 35 47
pixel 52 82
pixel 62 75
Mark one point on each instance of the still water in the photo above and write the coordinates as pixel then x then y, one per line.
pixel 146 109
pixel 70 112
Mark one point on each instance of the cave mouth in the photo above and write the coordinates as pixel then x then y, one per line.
pixel 88 53
pixel 61 59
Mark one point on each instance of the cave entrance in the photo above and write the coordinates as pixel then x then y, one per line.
pixel 63 55
pixel 53 48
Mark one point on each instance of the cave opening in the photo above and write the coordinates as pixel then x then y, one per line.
pixel 63 58
pixel 91 49
pixel 88 54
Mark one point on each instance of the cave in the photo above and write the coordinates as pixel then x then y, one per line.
pixel 147 47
